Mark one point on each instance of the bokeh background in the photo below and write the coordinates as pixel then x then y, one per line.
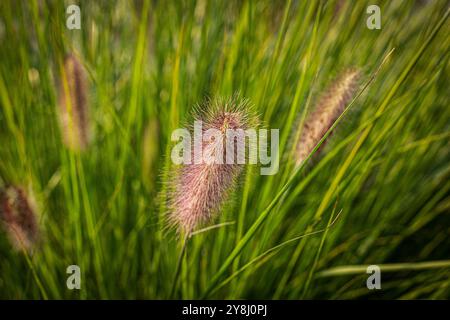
pixel 384 172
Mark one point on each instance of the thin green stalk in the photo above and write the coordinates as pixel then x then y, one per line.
pixel 387 267
pixel 268 254
pixel 178 267
pixel 319 250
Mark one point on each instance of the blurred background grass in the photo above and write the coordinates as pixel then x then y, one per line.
pixel 386 168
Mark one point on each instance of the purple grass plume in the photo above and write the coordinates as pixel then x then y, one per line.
pixel 73 105
pixel 329 107
pixel 198 191
pixel 18 216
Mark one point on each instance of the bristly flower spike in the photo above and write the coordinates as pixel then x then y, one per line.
pixel 330 106
pixel 18 216
pixel 199 189
pixel 73 104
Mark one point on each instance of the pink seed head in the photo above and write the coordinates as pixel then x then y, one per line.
pixel 73 106
pixel 199 190
pixel 330 106
pixel 18 216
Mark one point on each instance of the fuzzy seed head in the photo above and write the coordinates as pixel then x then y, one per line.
pixel 73 105
pixel 199 190
pixel 330 106
pixel 18 217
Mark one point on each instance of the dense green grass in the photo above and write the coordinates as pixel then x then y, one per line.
pixel 384 172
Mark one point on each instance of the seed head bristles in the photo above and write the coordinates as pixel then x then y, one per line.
pixel 19 218
pixel 73 105
pixel 330 106
pixel 199 189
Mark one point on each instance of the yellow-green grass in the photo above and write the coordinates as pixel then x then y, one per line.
pixel 377 193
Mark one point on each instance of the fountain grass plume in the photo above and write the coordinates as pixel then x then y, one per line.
pixel 329 107
pixel 198 190
pixel 18 215
pixel 73 104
